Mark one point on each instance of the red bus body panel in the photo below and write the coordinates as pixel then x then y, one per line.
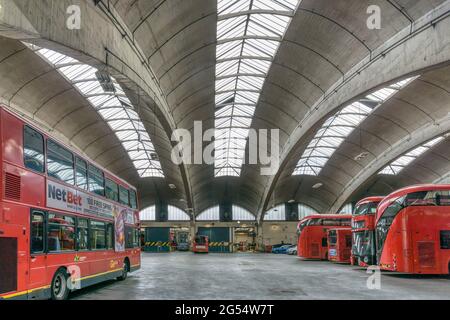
pixel 340 252
pixel 312 242
pixel 412 243
pixel 35 272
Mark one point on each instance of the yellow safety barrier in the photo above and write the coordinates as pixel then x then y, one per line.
pixel 220 244
pixel 157 244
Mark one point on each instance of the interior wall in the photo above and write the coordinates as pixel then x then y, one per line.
pixel 275 232
pixel 268 233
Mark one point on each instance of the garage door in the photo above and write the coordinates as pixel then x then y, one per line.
pixel 219 238
pixel 157 240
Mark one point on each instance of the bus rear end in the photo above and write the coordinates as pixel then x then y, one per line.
pixel 200 244
pixel 363 232
pixel 339 245
pixel 312 234
pixel 413 231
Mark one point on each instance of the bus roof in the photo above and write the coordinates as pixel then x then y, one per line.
pixel 59 138
pixel 407 190
pixel 327 216
pixel 369 199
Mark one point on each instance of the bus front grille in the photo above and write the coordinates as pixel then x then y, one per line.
pixel 8 265
pixel 427 257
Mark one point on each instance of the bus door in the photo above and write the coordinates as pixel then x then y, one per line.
pixel 13 258
pixel 9 241
pixel 38 258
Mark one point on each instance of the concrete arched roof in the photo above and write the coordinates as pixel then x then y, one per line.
pixel 165 50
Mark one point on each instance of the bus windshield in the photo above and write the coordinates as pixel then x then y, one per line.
pixel 366 208
pixel 332 237
pixel 200 240
pixel 301 227
pixel 362 243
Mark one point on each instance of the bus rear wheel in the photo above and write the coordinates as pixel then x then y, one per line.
pixel 59 288
pixel 125 270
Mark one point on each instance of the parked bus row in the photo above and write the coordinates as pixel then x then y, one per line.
pixel 407 231
pixel 65 223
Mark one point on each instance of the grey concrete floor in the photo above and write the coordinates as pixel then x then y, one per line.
pixel 184 275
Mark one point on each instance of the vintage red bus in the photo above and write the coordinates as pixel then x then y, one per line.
pixel 339 244
pixel 64 222
pixel 312 234
pixel 200 244
pixel 413 230
pixel 363 232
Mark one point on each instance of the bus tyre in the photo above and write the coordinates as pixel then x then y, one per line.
pixel 59 288
pixel 124 271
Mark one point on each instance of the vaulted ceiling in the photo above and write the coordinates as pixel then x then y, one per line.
pixel 326 46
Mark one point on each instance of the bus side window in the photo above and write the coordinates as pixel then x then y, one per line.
pixel 60 162
pixel 60 233
pixel 445 239
pixel 133 199
pixel 129 235
pixel 136 238
pixel 37 232
pixel 81 173
pixel 98 235
pixel 109 236
pixel 111 190
pixel 124 196
pixel 33 149
pixel 324 242
pixel 83 234
pixel 96 180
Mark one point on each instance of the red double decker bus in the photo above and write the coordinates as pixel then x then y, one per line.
pixel 64 222
pixel 312 234
pixel 339 244
pixel 363 232
pixel 200 244
pixel 413 230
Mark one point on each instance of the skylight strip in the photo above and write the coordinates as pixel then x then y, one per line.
pixel 339 126
pixel 113 106
pixel 249 33
pixel 396 166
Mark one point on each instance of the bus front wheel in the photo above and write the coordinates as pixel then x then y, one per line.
pixel 59 288
pixel 125 270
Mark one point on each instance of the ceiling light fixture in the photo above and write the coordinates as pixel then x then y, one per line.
pixel 317 185
pixel 361 156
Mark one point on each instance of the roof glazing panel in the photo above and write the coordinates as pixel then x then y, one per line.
pixel 396 166
pixel 339 126
pixel 248 36
pixel 113 106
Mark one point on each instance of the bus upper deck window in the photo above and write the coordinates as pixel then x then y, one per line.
pixel 111 190
pixel 124 196
pixel 81 173
pixel 33 149
pixel 60 163
pixel 133 199
pixel 96 180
